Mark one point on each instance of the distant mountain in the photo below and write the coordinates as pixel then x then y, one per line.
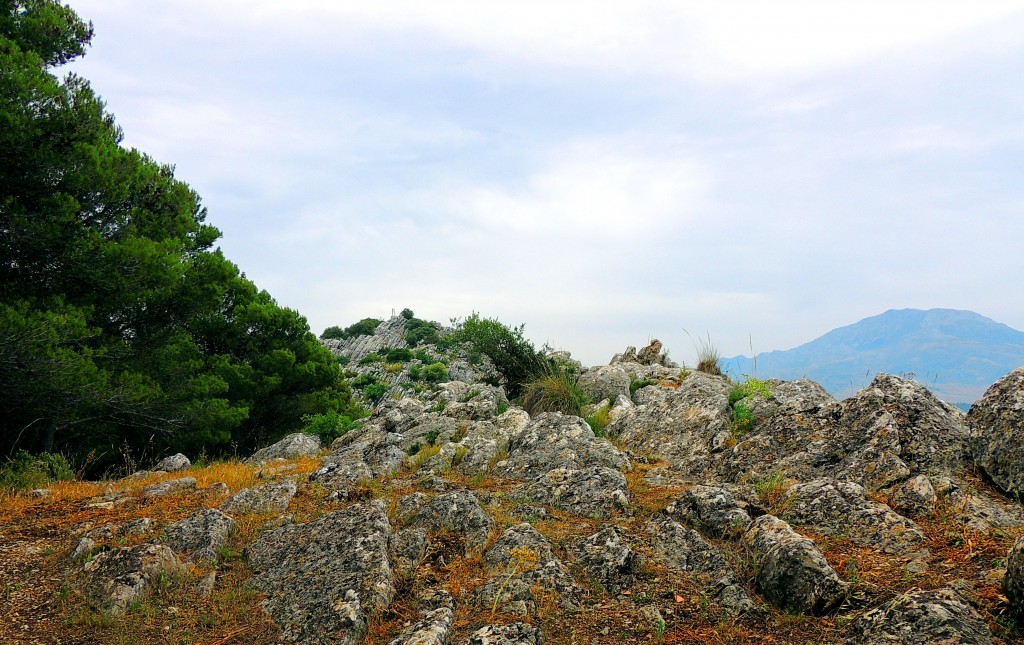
pixel 957 354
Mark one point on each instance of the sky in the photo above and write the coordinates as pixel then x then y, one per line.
pixel 753 174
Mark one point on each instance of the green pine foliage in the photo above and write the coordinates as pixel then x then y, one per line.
pixel 122 327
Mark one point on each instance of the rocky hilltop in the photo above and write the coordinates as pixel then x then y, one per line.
pixel 697 510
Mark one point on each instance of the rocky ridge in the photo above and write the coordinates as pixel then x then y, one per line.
pixel 452 516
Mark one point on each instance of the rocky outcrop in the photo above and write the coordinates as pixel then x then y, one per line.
pixel 120 577
pixel 435 624
pixel 201 536
pixel 293 446
pixel 553 440
pixel 711 510
pixel 169 487
pixel 596 492
pixel 173 464
pixel 791 573
pixel 997 432
pixel 921 618
pixel 841 508
pixel 605 382
pixel 324 579
pixel 524 564
pixel 608 559
pixel 263 499
pixel 456 512
pixel 510 634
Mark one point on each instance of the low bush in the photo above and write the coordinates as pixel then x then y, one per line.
pixel 599 420
pixel 328 426
pixel 398 355
pixel 25 471
pixel 556 390
pixel 514 357
pixel 364 327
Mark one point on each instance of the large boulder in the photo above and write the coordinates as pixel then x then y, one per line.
pixel 605 382
pixel 597 491
pixel 323 579
pixel 553 440
pixel 120 577
pixel 201 535
pixel 173 463
pixel 293 446
pixel 841 508
pixel 997 432
pixel 791 573
pixel 921 618
pixel 711 510
pixel 263 499
pixel 608 558
pixel 169 487
pixel 456 512
pixel 524 563
pixel 1013 583
pixel 435 624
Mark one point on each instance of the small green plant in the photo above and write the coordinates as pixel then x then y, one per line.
pixel 460 455
pixel 438 406
pixel 556 390
pixel 750 387
pixel 431 436
pixel 637 383
pixel 472 394
pixel 742 420
pixel 772 488
pixel 423 454
pixel 599 420
pixel 501 408
pixel 25 470
pixel 659 629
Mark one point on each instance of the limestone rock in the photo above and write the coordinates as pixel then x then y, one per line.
pixel 200 535
pixel 608 559
pixel 597 491
pixel 510 634
pixel 323 579
pixel 605 382
pixel 435 624
pixel 523 561
pixel 470 401
pixel 921 618
pixel 458 512
pixel 997 432
pixel 173 464
pixel 792 574
pixel 293 446
pixel 119 577
pixel 359 455
pixel 169 487
pixel 407 550
pixel 553 440
pixel 83 549
pixel 263 499
pixel 838 507
pixel 1013 583
pixel 711 510
pixel 916 496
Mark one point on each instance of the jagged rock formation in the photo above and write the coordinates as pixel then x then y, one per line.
pixel 450 515
pixel 997 430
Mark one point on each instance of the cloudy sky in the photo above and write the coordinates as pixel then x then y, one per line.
pixel 606 173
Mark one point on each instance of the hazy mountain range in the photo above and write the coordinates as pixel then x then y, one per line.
pixel 957 354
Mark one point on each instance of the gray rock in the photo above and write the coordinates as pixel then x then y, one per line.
pixel 169 487
pixel 200 535
pixel 916 496
pixel 523 562
pixel 608 559
pixel 83 550
pixel 597 491
pixel 792 574
pixel 173 464
pixel 510 634
pixel 997 432
pixel 553 440
pixel 323 579
pixel 435 624
pixel 120 577
pixel 685 549
pixel 205 586
pixel 921 618
pixel 841 508
pixel 605 382
pixel 293 446
pixel 711 510
pixel 360 455
pixel 470 401
pixel 264 499
pixel 1013 582
pixel 407 550
pixel 39 493
pixel 456 512
pixel 135 527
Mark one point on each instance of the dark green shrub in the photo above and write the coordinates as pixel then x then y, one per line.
pixel 435 373
pixel 420 332
pixel 398 355
pixel 425 357
pixel 342 360
pixel 513 356
pixel 742 419
pixel 25 470
pixel 363 380
pixel 408 314
pixel 373 357
pixel 375 392
pixel 328 426
pixel 364 327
